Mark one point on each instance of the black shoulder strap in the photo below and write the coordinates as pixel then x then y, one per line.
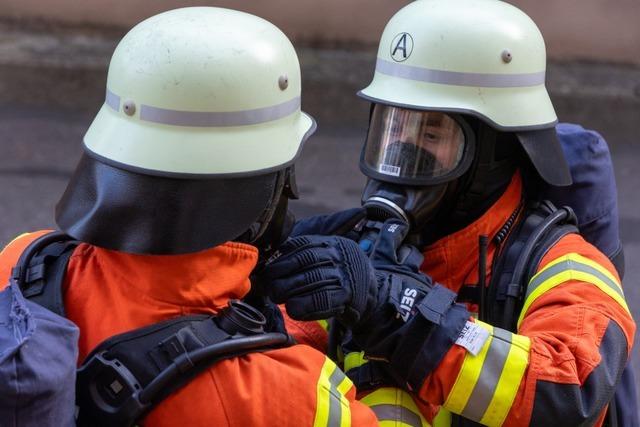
pixel 542 226
pixel 128 374
pixel 41 269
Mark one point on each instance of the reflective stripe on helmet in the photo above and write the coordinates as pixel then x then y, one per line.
pixel 166 116
pixel 394 407
pixel 112 100
pixel 487 384
pixel 332 406
pixel 572 267
pixel 456 78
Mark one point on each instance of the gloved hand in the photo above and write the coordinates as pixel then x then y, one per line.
pixel 319 277
pixel 325 276
pixel 394 312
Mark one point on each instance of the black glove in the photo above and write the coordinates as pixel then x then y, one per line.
pixel 394 312
pixel 318 277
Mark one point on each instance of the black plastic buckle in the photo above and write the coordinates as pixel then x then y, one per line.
pixel 108 393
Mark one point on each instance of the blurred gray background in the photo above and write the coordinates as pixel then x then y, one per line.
pixel 54 57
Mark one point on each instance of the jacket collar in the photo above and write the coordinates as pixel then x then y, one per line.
pixel 453 260
pixel 203 279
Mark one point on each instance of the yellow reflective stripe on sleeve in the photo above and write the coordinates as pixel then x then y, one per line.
pixel 394 407
pixel 487 384
pixel 442 418
pixel 509 383
pixel 354 360
pixel 468 376
pixel 572 267
pixel 332 406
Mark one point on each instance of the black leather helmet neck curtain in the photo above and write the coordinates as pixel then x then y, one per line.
pixel 127 211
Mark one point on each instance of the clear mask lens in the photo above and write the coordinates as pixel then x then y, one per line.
pixel 413 145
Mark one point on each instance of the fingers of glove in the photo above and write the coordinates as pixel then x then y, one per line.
pixel 338 223
pixel 388 242
pixel 295 261
pixel 305 283
pixel 316 306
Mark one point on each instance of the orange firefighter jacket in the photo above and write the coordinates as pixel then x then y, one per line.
pixel 575 333
pixel 108 292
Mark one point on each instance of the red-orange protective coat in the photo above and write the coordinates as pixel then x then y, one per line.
pixel 559 339
pixel 108 292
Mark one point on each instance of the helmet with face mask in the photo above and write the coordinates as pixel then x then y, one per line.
pixel 458 83
pixel 196 140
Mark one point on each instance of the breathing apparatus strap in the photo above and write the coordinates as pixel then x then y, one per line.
pixel 128 374
pixel 541 228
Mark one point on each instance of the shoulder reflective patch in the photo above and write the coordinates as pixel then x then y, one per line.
pixel 455 78
pixel 572 267
pixel 332 406
pixel 488 383
pixel 394 407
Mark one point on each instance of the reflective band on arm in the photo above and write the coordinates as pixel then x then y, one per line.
pixel 332 406
pixel 572 267
pixel 488 383
pixel 394 407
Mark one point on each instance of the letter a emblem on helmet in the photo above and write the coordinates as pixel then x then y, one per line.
pixel 401 47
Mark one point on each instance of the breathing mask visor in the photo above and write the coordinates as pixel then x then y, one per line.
pixel 410 157
pixel 413 147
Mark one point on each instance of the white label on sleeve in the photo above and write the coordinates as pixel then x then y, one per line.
pixel 472 337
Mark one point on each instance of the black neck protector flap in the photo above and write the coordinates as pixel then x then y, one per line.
pixel 137 213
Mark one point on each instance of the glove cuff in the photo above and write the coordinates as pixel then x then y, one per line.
pixel 440 320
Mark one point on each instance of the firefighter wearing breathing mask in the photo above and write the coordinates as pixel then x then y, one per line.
pixel 455 297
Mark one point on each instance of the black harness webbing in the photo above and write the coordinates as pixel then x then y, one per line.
pixel 542 227
pixel 128 374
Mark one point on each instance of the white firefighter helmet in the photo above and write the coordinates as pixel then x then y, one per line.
pixel 484 58
pixel 195 142
pixel 201 90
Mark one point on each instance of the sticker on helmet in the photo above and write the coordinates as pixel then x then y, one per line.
pixel 389 170
pixel 401 47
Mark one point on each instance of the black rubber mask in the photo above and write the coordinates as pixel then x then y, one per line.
pixel 416 205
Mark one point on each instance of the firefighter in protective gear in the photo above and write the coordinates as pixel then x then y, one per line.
pixel 460 122
pixel 186 167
